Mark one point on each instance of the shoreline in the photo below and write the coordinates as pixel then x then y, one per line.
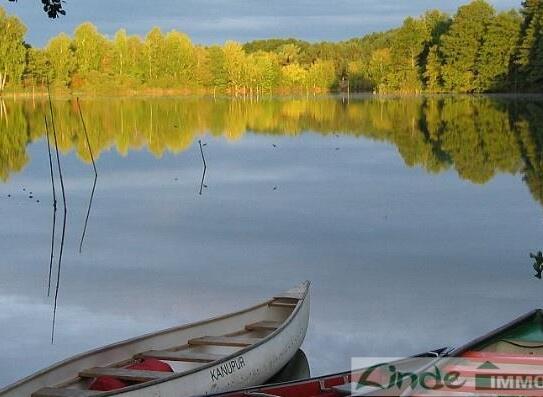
pixel 25 95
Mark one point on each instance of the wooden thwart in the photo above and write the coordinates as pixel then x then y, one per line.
pixel 182 355
pixel 290 295
pixel 524 343
pixel 58 392
pixel 296 293
pixel 283 304
pixel 235 341
pixel 263 326
pixel 133 375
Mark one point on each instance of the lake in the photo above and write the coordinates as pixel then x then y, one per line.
pixel 413 217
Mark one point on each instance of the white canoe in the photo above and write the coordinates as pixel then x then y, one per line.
pixel 226 353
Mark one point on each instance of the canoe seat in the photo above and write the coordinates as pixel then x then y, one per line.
pixel 296 293
pixel 515 346
pixel 263 326
pixel 62 392
pixel 182 355
pixel 133 375
pixel 234 341
pixel 290 295
pixel 288 305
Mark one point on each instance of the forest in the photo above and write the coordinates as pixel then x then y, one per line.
pixel 476 50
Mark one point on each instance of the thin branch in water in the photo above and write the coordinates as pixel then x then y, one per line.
pixel 95 177
pixel 205 167
pixel 54 208
pixel 63 220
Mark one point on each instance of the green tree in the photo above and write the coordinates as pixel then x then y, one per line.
pixel 121 53
pixel 461 45
pixel 37 67
pixel 235 64
pixel 530 52
pixel 289 53
pixel 496 54
pixel 407 46
pixel 432 73
pixel 294 76
pixel 273 45
pixel 127 60
pixel 379 66
pixel 61 59
pixel 12 50
pixel 89 48
pixel 136 65
pixel 267 71
pixel 437 23
pixel 321 75
pixel 179 61
pixel 154 51
pixel 217 68
pixel 536 72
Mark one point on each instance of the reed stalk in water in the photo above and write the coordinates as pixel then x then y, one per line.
pixel 57 288
pixel 95 176
pixel 54 207
pixel 205 167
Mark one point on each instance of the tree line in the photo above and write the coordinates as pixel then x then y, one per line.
pixel 478 49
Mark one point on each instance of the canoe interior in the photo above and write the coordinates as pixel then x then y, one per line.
pixel 185 349
pixel 522 337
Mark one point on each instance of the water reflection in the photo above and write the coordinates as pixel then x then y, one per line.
pixel 401 260
pixel 296 369
pixel 477 136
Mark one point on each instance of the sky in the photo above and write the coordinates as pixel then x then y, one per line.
pixel 215 21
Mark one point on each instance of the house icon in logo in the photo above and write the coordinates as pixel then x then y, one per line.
pixel 485 379
pixel 488 365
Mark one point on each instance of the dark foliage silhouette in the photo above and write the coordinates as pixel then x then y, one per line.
pixel 53 8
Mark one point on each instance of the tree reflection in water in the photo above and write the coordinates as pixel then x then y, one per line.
pixel 478 137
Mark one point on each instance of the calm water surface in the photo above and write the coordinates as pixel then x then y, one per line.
pixel 412 217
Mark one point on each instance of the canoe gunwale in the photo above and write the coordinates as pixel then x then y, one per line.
pixel 285 323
